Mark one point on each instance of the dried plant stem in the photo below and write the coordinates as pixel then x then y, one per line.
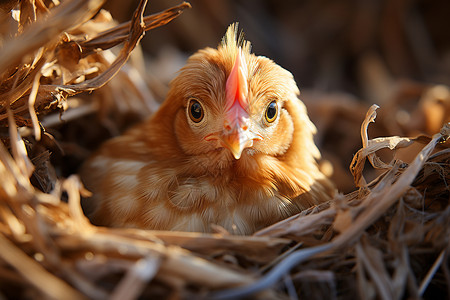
pixel 120 33
pixel 18 149
pixel 47 30
pixel 273 276
pixel 35 274
pixel 134 281
pixel 390 194
pixel 31 101
pixel 372 261
pixel 431 272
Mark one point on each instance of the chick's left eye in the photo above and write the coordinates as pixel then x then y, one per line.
pixel 195 111
pixel 271 111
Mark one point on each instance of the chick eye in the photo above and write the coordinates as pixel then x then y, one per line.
pixel 195 110
pixel 271 112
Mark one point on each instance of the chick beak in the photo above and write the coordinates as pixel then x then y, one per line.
pixel 236 135
pixel 236 141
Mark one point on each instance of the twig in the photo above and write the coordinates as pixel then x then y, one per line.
pixel 120 33
pixel 426 281
pixel 47 30
pixel 34 273
pixel 278 272
pixel 131 286
pixel 31 110
pixel 390 194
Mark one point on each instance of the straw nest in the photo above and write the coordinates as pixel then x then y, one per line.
pixel 389 239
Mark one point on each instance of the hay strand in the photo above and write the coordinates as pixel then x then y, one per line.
pixel 48 284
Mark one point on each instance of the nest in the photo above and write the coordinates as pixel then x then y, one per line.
pixel 388 239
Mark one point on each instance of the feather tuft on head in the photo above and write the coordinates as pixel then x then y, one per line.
pixel 231 41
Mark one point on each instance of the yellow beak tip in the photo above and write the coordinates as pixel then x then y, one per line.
pixel 237 155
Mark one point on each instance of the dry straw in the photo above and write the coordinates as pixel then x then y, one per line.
pixel 389 239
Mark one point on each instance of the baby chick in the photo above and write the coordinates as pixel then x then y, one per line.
pixel 232 145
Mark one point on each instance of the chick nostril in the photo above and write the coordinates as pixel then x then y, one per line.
pixel 227 127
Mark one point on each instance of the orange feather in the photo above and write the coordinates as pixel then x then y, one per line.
pixel 179 171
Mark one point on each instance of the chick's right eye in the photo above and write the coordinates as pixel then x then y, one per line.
pixel 271 112
pixel 195 110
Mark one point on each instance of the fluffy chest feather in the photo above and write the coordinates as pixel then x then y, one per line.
pixel 152 196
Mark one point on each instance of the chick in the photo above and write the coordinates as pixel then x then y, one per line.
pixel 232 145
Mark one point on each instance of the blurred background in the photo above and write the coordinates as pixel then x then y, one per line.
pixel 327 45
